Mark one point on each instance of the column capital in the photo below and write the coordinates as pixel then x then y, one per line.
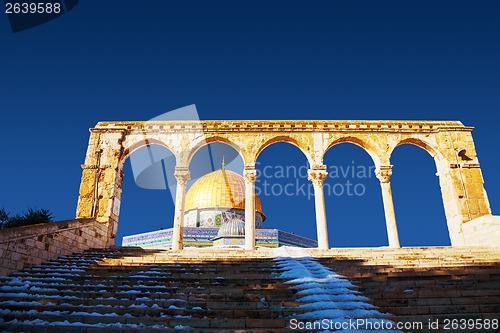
pixel 384 173
pixel 317 174
pixel 318 167
pixel 182 175
pixel 250 174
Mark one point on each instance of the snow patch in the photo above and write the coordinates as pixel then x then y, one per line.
pixel 326 294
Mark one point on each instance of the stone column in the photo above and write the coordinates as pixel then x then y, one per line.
pixel 384 175
pixel 317 175
pixel 250 174
pixel 182 176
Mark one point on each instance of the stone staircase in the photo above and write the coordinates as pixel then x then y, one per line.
pixel 130 289
pixel 439 284
pixel 144 289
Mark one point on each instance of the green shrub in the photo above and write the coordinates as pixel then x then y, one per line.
pixel 4 216
pixel 32 216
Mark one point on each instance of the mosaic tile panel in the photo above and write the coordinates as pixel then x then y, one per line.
pixel 202 237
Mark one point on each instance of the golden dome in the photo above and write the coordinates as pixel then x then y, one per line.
pixel 221 189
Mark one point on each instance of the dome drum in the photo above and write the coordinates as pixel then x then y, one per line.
pixel 215 217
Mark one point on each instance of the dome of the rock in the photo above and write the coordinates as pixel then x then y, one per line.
pixel 217 198
pixel 221 188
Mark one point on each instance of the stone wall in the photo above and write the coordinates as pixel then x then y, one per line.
pixel 483 231
pixel 21 247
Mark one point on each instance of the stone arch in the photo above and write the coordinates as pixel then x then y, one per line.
pixel 127 151
pixel 206 140
pixel 428 147
pixel 439 160
pixel 358 142
pixel 286 139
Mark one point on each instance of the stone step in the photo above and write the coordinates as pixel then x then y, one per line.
pixel 436 284
pixel 424 302
pixel 131 280
pixel 89 329
pixel 398 266
pixel 156 292
pixel 156 311
pixel 442 309
pixel 210 273
pixel 177 287
pixel 146 288
pixel 109 329
pixel 229 296
pixel 197 323
pixel 150 261
pixel 224 304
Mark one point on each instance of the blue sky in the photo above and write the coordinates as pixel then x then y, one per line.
pixel 124 60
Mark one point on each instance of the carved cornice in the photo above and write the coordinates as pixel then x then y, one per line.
pixel 222 126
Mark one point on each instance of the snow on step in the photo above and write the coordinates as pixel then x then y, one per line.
pixel 39 322
pixel 327 295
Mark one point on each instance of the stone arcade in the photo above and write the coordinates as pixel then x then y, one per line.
pixel 450 143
